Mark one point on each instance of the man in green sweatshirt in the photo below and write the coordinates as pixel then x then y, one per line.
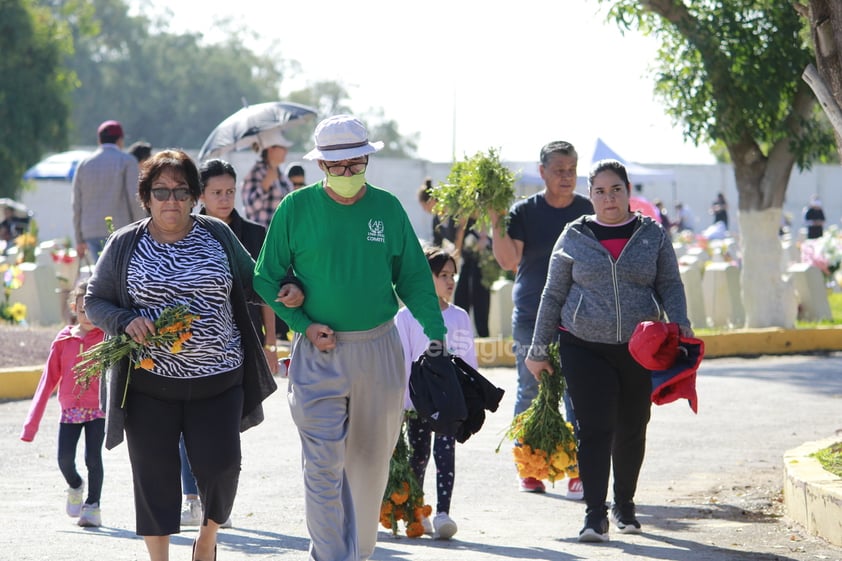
pixel 354 250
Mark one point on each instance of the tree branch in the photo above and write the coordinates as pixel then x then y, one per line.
pixel 826 100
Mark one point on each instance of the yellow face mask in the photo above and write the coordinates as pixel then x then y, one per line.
pixel 346 186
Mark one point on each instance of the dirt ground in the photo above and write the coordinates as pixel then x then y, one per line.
pixel 25 346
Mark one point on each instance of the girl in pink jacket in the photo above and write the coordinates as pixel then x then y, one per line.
pixel 80 409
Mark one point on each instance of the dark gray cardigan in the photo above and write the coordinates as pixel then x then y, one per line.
pixel 109 307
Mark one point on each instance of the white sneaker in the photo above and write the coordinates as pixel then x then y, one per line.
pixel 74 500
pixel 90 516
pixel 427 525
pixel 191 512
pixel 444 526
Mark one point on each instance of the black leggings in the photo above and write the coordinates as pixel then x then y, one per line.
pixel 68 438
pixel 211 430
pixel 611 396
pixel 419 432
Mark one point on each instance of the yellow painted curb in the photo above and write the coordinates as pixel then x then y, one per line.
pixel 494 351
pixel 773 341
pixel 813 496
pixel 19 383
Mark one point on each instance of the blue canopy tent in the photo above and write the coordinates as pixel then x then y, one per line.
pixel 58 167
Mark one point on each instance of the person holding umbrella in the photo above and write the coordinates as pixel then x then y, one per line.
pixel 353 248
pixel 265 185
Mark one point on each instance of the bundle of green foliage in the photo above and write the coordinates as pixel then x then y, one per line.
pixel 474 186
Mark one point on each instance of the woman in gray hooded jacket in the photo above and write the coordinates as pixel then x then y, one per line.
pixel 608 272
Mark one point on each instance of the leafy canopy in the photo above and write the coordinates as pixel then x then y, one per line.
pixel 34 90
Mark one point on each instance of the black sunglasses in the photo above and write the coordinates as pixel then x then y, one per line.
pixel 163 194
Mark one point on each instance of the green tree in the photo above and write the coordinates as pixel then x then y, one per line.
pixel 169 89
pixel 34 104
pixel 730 71
pixel 396 145
pixel 331 98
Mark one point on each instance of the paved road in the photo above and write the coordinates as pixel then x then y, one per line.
pixel 708 489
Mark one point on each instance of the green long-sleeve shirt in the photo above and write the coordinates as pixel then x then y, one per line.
pixel 351 260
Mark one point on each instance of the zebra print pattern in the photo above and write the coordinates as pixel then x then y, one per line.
pixel 193 271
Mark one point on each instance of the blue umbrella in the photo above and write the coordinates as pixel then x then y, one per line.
pixel 58 167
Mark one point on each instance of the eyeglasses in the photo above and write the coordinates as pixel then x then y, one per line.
pixel 356 168
pixel 163 194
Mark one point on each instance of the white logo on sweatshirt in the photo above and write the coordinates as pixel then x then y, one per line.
pixel 375 231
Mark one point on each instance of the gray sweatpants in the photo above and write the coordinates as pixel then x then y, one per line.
pixel 348 406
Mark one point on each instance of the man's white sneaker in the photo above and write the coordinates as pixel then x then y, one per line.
pixel 427 525
pixel 74 500
pixel 90 517
pixel 191 512
pixel 444 526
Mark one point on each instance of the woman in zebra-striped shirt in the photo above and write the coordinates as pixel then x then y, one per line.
pixel 209 391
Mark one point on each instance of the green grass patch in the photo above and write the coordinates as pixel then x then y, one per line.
pixel 831 459
pixel 834 299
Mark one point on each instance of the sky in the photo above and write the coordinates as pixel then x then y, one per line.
pixel 467 75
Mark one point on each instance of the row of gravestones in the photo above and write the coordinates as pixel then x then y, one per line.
pixel 712 288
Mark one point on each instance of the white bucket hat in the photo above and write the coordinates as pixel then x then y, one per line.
pixel 341 137
pixel 272 137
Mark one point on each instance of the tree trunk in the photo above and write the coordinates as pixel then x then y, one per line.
pixel 761 183
pixel 768 300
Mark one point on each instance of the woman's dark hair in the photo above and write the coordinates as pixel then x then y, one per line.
pixel 140 150
pixel 295 170
pixel 171 159
pixel 215 168
pixel 437 258
pixel 609 165
pixel 425 192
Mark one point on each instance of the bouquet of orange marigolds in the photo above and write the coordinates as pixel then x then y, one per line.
pixel 172 329
pixel 545 447
pixel 404 497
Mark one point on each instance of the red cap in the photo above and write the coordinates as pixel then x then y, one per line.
pixel 111 129
pixel 654 344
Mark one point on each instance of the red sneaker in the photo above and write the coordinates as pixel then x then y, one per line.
pixel 575 491
pixel 531 485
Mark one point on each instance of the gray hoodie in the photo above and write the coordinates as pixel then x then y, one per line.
pixel 601 300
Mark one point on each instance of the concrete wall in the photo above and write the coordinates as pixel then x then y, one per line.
pixel 694 185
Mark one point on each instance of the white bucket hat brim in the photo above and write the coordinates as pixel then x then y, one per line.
pixel 341 137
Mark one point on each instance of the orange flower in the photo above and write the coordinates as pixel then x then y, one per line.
pixel 415 530
pixel 400 497
pixel 147 363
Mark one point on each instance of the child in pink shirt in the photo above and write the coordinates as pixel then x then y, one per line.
pixel 80 410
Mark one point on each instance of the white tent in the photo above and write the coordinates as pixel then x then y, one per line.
pixel 637 173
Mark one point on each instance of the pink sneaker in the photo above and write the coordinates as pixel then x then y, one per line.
pixel 531 485
pixel 575 490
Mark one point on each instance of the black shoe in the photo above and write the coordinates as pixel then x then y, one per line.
pixel 624 518
pixel 596 528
